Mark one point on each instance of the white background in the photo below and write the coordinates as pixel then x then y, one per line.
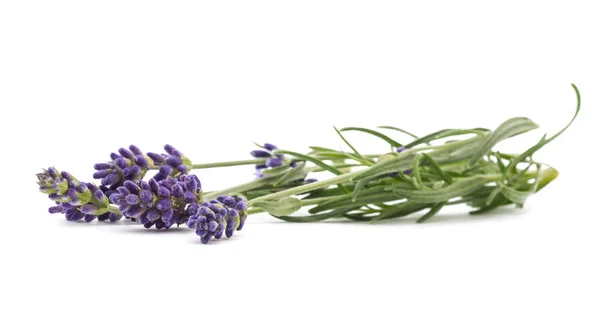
pixel 80 79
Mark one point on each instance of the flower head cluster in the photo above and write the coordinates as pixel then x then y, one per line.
pixel 127 165
pixel 158 203
pixel 75 199
pixel 217 217
pixel 174 163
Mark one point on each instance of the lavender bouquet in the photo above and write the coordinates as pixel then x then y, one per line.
pixel 423 175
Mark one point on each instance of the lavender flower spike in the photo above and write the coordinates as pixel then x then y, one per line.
pixel 174 163
pixel 212 219
pixel 158 203
pixel 75 199
pixel 127 165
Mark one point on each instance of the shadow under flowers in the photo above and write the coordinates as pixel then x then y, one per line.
pixel 96 223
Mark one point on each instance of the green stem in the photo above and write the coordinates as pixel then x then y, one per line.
pixel 306 188
pixel 260 182
pixel 229 163
pixel 113 209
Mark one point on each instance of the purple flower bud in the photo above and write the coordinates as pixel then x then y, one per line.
pixel 260 154
pixel 173 161
pixel 136 171
pixel 165 170
pixel 184 169
pixel 204 239
pixel 274 162
pixel 99 195
pixel 146 196
pixel 212 226
pixel 132 199
pixel 132 187
pixel 169 148
pixel 241 205
pixel 157 158
pixel 89 208
pixel 56 209
pixel 126 172
pixel 110 179
pixel 114 216
pixel 126 153
pixel 102 166
pixel 153 214
pixel 73 214
pixel 163 192
pixel 136 150
pixel 140 161
pixel 167 215
pixel 134 211
pixel 163 204
pixel 270 146
pixel 121 163
pixel 101 174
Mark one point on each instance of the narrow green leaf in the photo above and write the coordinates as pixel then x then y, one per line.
pixel 452 152
pixel 317 162
pixel 374 133
pixel 293 174
pixel 443 134
pixel 314 160
pixel 417 171
pixel 434 210
pixel 400 130
pixel 275 171
pixel 321 149
pixel 509 128
pixel 517 196
pixel 282 207
pixel 529 152
pixel 399 210
pixel 436 166
pixel 547 176
pixel 359 186
pixel 312 218
pixel 349 145
pixel 458 188
pixel 437 185
pixel 492 196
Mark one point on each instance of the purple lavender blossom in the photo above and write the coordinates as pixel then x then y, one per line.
pixel 75 199
pixel 212 219
pixel 158 203
pixel 127 165
pixel 174 163
pixel 271 160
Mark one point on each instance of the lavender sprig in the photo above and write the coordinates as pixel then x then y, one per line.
pixel 434 175
pixel 75 199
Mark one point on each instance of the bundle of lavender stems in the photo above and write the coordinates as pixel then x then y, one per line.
pixel 444 168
